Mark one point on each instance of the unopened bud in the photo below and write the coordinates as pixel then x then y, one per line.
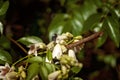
pixel 54 75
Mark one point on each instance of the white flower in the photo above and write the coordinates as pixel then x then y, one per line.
pixel 32 50
pixel 57 51
pixel 4 70
pixel 35 47
pixel 6 73
pixel 71 53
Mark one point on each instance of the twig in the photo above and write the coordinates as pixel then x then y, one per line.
pixel 91 37
pixel 15 42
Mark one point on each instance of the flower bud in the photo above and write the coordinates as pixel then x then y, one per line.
pixel 23 74
pixel 71 53
pixel 78 37
pixel 51 45
pixel 11 76
pixel 54 75
pixel 64 69
pixel 69 35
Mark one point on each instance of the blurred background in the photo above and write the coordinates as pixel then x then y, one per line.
pixel 44 18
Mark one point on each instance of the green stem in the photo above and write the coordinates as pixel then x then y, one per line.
pixel 20 60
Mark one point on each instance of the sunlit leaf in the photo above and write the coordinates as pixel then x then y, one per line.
pixel 49 55
pixel 43 72
pixel 32 71
pixel 57 24
pixel 77 24
pixel 77 15
pixel 4 8
pixel 37 59
pixel 29 40
pixel 91 22
pixel 50 67
pixel 112 28
pixel 87 8
pixel 5 57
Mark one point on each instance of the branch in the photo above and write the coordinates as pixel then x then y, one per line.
pixel 15 42
pixel 89 38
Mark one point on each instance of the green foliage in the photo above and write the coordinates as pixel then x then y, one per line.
pixel 90 16
pixel 75 69
pixel 5 43
pixel 49 55
pixel 4 7
pixel 101 40
pixel 5 57
pixel 108 59
pixel 112 28
pixel 29 40
pixel 36 59
pixel 43 72
pixel 32 71
pixel 78 18
pixel 50 67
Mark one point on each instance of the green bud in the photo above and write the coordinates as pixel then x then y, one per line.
pixel 78 37
pixel 23 74
pixel 11 76
pixel 64 69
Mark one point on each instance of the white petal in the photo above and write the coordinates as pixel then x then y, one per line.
pixel 57 51
pixel 7 65
pixel 71 53
pixel 1 67
pixel 2 77
pixel 53 75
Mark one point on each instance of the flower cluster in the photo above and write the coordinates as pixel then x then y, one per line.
pixel 9 73
pixel 53 61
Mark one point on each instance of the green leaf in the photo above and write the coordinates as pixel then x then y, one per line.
pixel 36 59
pixel 75 69
pixel 4 8
pixel 1 28
pixel 32 71
pixel 57 24
pixel 29 40
pixel 112 28
pixel 50 67
pixel 4 42
pixel 43 72
pixel 77 23
pixel 88 8
pixel 91 22
pixel 101 40
pixel 49 55
pixel 5 57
